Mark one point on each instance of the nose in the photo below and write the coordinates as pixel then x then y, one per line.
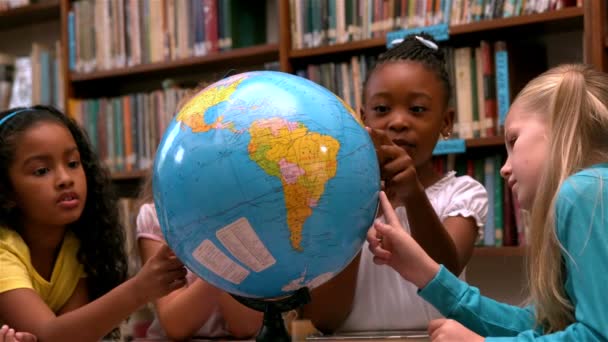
pixel 506 170
pixel 399 121
pixel 64 178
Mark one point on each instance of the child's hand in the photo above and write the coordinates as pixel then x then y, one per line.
pixel 397 168
pixel 448 330
pixel 160 275
pixel 9 335
pixel 393 246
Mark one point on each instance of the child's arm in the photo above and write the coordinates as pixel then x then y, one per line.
pixel 184 311
pixel 24 310
pixel 332 302
pixel 392 246
pixel 450 242
pixel 241 321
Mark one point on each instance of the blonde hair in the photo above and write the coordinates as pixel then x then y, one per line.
pixel 574 100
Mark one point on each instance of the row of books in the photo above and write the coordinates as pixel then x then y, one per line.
pixel 104 35
pixel 476 88
pixel 344 79
pixel 482 79
pixel 504 224
pixel 33 79
pixel 126 130
pixel 6 5
pixel 326 22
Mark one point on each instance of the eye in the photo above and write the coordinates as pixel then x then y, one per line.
pixel 418 109
pixel 511 140
pixel 41 171
pixel 381 109
pixel 74 164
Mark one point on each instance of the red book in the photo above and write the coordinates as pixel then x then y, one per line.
pixel 490 123
pixel 211 25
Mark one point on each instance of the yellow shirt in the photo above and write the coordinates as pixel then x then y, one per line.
pixel 16 270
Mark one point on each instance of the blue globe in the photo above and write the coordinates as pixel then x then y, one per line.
pixel 264 183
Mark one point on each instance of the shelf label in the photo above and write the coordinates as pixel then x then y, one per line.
pixel 450 146
pixel 439 32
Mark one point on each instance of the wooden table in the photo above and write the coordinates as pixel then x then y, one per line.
pixel 304 331
pixel 413 337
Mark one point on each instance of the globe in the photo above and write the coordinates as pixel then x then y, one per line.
pixel 264 183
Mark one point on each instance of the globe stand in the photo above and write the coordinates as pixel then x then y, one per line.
pixel 273 328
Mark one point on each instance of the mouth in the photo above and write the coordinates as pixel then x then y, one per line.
pixel 68 200
pixel 406 144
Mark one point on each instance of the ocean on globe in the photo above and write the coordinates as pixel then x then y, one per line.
pixel 265 182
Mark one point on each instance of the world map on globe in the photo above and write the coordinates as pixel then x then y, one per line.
pixel 265 182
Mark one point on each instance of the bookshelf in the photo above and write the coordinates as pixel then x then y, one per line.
pixel 129 175
pixel 497 141
pixel 42 11
pixel 252 55
pixel 590 20
pixel 550 20
pixel 507 251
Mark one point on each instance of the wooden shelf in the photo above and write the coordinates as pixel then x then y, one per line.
pixel 129 176
pixel 486 142
pixel 26 15
pixel 338 48
pixel 500 251
pixel 522 20
pixel 464 29
pixel 248 55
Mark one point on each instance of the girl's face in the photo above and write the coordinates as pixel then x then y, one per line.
pixel 407 102
pixel 49 183
pixel 527 148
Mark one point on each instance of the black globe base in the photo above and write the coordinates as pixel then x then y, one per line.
pixel 273 328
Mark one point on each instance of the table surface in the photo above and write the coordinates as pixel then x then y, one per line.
pixel 387 336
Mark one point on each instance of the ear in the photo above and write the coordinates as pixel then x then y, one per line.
pixel 447 125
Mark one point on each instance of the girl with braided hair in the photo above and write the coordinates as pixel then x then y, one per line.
pixel 406 110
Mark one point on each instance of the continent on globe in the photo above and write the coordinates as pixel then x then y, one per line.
pixel 304 161
pixel 264 183
pixel 193 112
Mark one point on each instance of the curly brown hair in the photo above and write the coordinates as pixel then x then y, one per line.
pixel 98 229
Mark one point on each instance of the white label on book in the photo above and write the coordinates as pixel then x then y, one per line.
pixel 244 243
pixel 219 263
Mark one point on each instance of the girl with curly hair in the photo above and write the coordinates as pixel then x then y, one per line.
pixel 61 243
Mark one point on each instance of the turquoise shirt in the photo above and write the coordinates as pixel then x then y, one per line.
pixel 582 228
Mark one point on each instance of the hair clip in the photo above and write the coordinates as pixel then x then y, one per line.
pixel 427 43
pixel 396 41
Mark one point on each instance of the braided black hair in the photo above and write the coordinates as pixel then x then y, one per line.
pixel 98 229
pixel 412 49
